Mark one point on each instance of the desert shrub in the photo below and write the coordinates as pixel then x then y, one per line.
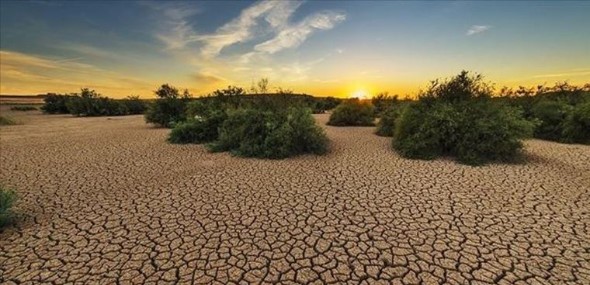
pixel 264 125
pixel 23 108
pixel 55 104
pixel 489 132
pixel 386 124
pixel 550 108
pixel 200 107
pixel 383 102
pixel 576 127
pixel 169 108
pixel 90 103
pixel 7 199
pixel 352 113
pixel 234 97
pixel 551 116
pixel 198 130
pixel 6 121
pixel 262 133
pixel 204 107
pixel 458 118
pixel 323 104
pixel 230 95
pixel 460 88
pixel 426 131
pixel 134 105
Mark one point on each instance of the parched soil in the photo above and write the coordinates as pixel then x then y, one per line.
pixel 108 201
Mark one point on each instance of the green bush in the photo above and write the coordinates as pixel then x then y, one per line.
pixel 321 105
pixel 576 127
pixel 458 89
pixel 550 108
pixel 198 130
pixel 352 113
pixel 267 134
pixel 204 107
pixel 6 121
pixel 458 118
pixel 383 102
pixel 90 103
pixel 490 132
pixel 234 97
pixel 551 115
pixel 7 199
pixel 23 108
pixel 386 124
pixel 169 108
pixel 55 104
pixel 264 126
pixel 426 131
pixel 133 105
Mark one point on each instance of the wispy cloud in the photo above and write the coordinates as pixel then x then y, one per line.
pixel 202 78
pixel 257 33
pixel 572 73
pixel 177 31
pixel 91 51
pixel 240 29
pixel 245 27
pixel 477 29
pixel 293 36
pixel 19 71
pixel 299 70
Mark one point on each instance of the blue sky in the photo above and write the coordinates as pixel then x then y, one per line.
pixel 317 47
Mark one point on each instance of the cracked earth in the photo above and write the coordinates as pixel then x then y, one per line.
pixel 108 201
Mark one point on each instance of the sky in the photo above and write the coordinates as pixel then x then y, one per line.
pixel 323 48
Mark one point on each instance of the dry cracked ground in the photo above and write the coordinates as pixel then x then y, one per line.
pixel 108 201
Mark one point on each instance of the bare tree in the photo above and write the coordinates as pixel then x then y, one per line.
pixel 263 85
pixel 253 89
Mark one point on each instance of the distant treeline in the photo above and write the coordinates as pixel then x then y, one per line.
pixel 318 105
pixel 90 103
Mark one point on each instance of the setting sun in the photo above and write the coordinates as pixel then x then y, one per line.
pixel 360 94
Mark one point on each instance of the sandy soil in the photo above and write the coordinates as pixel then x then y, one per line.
pixel 108 201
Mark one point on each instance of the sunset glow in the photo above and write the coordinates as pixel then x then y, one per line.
pixel 360 94
pixel 324 48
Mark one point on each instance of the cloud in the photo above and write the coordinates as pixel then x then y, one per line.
pixel 181 34
pixel 572 73
pixel 293 36
pixel 177 31
pixel 240 29
pixel 256 34
pixel 22 73
pixel 91 51
pixel 206 79
pixel 246 27
pixel 477 29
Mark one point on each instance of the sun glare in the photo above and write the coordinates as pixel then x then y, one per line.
pixel 359 94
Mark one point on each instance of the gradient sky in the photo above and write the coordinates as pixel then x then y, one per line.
pixel 321 48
